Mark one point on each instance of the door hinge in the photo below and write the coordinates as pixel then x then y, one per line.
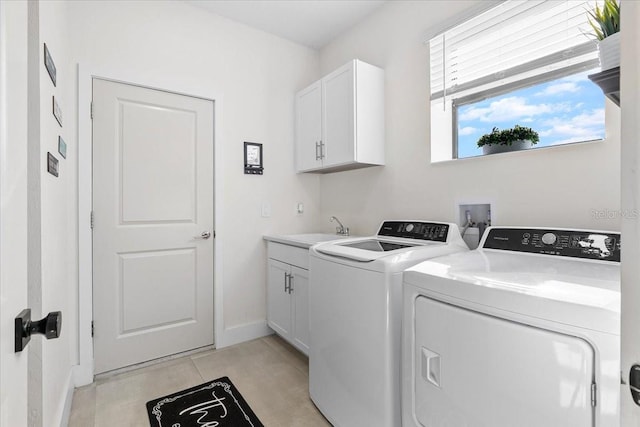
pixel 594 393
pixel 92 328
pixel 91 220
pixel 91 110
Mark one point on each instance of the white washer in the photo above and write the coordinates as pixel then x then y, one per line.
pixel 524 331
pixel 355 312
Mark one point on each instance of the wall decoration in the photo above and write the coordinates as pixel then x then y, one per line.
pixel 57 112
pixel 52 164
pixel 50 65
pixel 62 147
pixel 253 158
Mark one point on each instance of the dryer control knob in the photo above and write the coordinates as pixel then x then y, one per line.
pixel 549 238
pixel 409 227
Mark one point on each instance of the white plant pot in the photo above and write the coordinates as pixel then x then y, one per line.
pixel 609 51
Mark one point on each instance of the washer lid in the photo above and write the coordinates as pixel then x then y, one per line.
pixel 578 292
pixel 377 245
pixel 370 248
pixel 398 242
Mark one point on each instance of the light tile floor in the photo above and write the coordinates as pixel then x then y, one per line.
pixel 271 375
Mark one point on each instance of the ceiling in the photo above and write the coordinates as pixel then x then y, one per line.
pixel 313 23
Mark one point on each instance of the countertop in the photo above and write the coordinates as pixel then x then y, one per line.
pixel 304 240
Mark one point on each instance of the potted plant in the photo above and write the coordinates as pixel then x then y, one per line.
pixel 514 139
pixel 605 23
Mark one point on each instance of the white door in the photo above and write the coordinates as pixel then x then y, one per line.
pixel 13 209
pixel 309 128
pixel 278 298
pixel 630 203
pixel 300 292
pixel 338 112
pixel 152 200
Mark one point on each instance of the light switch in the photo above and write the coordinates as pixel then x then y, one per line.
pixel 266 209
pixel 300 208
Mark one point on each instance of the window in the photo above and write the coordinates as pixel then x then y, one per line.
pixel 521 62
pixel 562 111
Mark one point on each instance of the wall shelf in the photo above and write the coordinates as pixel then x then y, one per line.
pixel 609 82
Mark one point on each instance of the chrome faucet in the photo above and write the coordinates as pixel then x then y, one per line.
pixel 341 230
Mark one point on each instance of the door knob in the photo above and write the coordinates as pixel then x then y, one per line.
pixel 634 383
pixel 49 326
pixel 205 235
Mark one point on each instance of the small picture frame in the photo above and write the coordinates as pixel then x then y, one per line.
pixel 62 147
pixel 52 164
pixel 50 65
pixel 57 112
pixel 253 158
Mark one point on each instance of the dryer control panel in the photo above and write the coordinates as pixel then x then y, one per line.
pixel 432 231
pixel 585 244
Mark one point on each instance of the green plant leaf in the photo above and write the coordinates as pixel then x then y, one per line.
pixel 605 21
pixel 508 136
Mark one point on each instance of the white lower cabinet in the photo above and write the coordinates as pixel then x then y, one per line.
pixel 288 294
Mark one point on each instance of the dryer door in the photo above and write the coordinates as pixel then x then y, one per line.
pixel 472 369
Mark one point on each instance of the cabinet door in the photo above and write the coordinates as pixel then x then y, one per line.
pixel 300 285
pixel 309 128
pixel 338 109
pixel 278 301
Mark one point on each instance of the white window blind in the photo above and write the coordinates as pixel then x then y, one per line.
pixel 516 40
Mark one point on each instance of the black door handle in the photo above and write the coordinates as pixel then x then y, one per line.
pixel 49 326
pixel 634 383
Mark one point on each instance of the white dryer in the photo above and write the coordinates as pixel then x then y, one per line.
pixel 355 312
pixel 524 331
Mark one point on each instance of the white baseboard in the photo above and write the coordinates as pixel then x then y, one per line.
pixel 83 374
pixel 242 333
pixel 68 400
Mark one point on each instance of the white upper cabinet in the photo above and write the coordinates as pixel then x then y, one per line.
pixel 309 127
pixel 340 120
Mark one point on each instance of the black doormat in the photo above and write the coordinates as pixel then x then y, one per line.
pixel 216 403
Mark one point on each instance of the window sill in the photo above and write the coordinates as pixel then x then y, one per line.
pixel 519 153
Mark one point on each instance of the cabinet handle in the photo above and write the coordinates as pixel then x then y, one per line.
pixel 290 283
pixel 286 284
pixel 318 156
pixel 321 150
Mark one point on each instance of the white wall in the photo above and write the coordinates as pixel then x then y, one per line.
pixel 560 186
pixel 58 216
pixel 174 45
